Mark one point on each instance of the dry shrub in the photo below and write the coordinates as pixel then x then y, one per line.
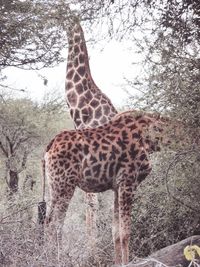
pixel 166 205
pixel 20 243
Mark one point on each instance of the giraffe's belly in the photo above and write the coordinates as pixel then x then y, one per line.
pixel 91 186
pixel 98 178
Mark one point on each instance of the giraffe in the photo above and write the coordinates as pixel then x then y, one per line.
pixel 88 105
pixel 113 156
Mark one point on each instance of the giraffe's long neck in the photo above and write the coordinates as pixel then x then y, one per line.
pixel 77 63
pixel 89 107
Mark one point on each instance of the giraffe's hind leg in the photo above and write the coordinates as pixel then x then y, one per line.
pixel 91 214
pixel 55 219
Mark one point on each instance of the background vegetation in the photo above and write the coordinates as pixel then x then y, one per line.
pixel 166 206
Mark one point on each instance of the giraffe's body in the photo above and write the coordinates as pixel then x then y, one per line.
pixel 89 107
pixel 113 156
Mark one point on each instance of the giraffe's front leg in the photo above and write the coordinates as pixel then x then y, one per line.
pixel 115 230
pixel 125 204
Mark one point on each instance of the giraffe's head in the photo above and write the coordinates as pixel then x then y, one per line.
pixel 152 127
pixel 159 131
pixel 179 135
pixel 162 131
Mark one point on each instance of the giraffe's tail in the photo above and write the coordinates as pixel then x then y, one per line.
pixel 42 204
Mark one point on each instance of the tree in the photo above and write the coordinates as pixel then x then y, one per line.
pixel 23 129
pixel 172 64
pixel 17 138
pixel 31 34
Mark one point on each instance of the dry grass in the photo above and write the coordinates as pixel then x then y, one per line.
pixel 20 243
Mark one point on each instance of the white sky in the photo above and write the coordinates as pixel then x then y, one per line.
pixel 108 68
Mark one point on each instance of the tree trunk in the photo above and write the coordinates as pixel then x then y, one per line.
pixel 13 181
pixel 169 256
